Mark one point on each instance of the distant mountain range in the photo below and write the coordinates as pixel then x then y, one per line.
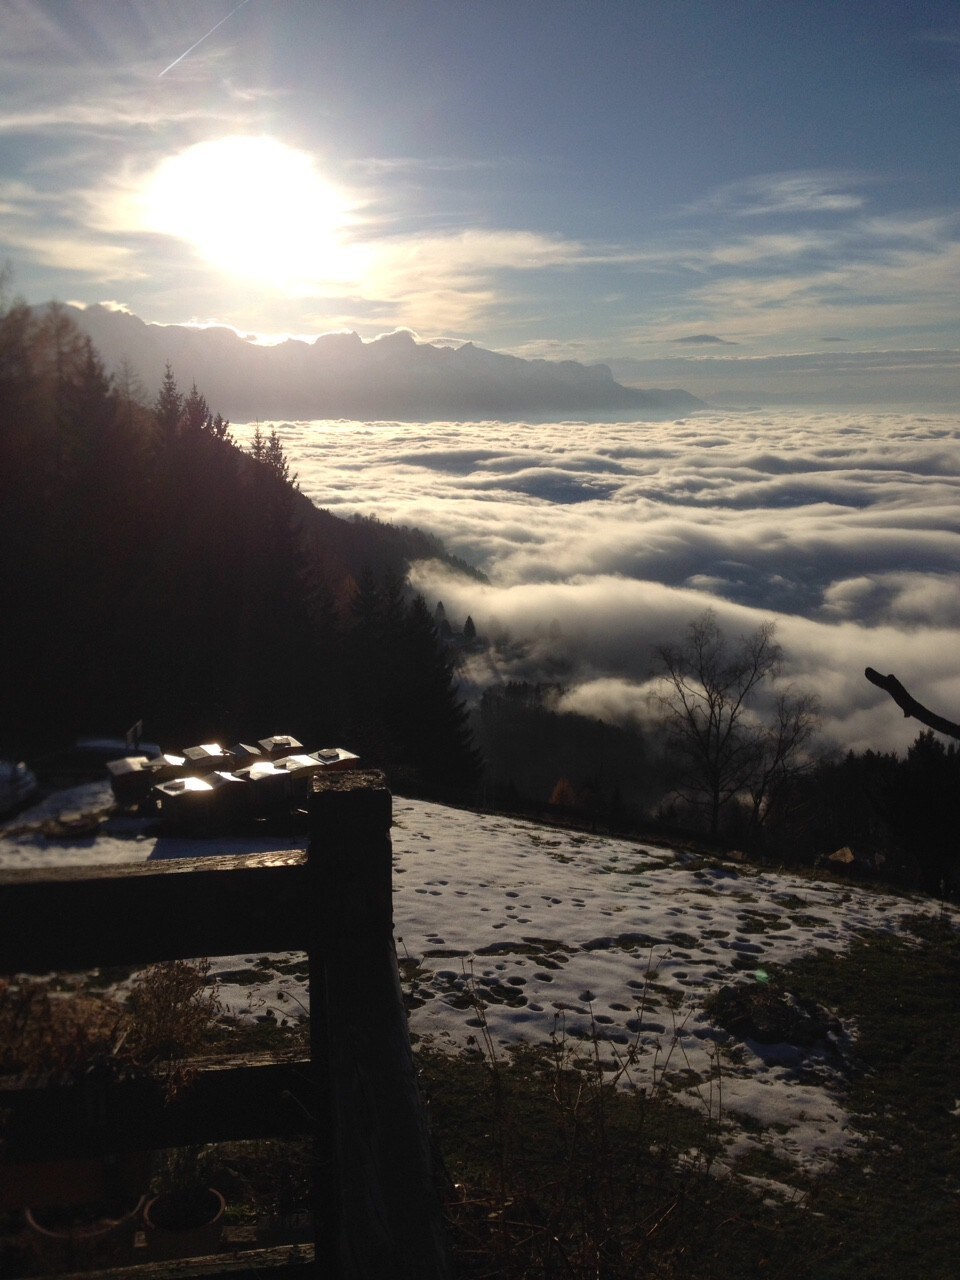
pixel 394 377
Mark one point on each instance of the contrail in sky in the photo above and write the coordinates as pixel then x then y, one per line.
pixel 202 38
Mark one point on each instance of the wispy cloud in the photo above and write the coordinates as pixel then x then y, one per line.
pixel 885 274
pixel 417 166
pixel 106 114
pixel 703 339
pixel 899 289
pixel 946 37
pixel 786 194
pixel 104 262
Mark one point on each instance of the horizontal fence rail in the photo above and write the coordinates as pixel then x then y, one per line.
pixel 354 1094
pixel 77 918
pixel 253 1095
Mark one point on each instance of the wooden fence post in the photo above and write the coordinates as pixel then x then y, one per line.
pixel 386 1213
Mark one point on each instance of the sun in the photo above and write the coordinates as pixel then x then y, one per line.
pixel 252 207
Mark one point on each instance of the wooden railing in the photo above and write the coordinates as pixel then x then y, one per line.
pixel 355 1095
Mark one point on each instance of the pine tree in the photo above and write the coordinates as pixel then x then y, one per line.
pixel 90 407
pixel 374 671
pixel 218 427
pixel 437 735
pixel 258 445
pixel 196 414
pixel 168 408
pixel 275 459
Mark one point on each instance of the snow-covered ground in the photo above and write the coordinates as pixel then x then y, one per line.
pixel 552 931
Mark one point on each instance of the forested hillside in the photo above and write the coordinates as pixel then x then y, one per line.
pixel 153 570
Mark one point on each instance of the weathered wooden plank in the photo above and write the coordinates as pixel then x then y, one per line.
pixel 81 917
pixel 297 1261
pixel 254 1096
pixel 163 866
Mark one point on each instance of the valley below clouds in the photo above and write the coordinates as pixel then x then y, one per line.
pixel 602 541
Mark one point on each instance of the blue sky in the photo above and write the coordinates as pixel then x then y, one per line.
pixel 701 193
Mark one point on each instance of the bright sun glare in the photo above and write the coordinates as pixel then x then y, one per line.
pixel 253 207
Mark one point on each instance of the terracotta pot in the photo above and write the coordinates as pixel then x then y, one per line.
pixel 73 1182
pixel 184 1227
pixel 70 1240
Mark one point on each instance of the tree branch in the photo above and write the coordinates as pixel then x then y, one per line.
pixel 910 706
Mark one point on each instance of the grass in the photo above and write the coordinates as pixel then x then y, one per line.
pixel 576 1159
pixel 892 1207
pixel 552 1170
pixel 549 1170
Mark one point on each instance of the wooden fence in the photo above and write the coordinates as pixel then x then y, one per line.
pixel 376 1211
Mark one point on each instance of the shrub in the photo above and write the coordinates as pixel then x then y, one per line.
pixel 50 1036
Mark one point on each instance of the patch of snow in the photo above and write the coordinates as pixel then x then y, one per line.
pixel 536 932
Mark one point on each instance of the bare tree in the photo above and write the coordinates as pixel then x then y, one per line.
pixel 783 742
pixel 724 750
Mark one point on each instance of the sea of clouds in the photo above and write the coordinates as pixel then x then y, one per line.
pixel 602 541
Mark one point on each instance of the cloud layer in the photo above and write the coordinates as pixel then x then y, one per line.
pixel 602 541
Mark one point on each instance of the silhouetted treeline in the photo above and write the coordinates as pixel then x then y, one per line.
pixel 151 569
pixel 538 759
pixel 897 815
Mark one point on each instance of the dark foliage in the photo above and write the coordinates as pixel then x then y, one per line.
pixel 530 748
pixel 898 816
pixel 404 718
pixel 152 570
